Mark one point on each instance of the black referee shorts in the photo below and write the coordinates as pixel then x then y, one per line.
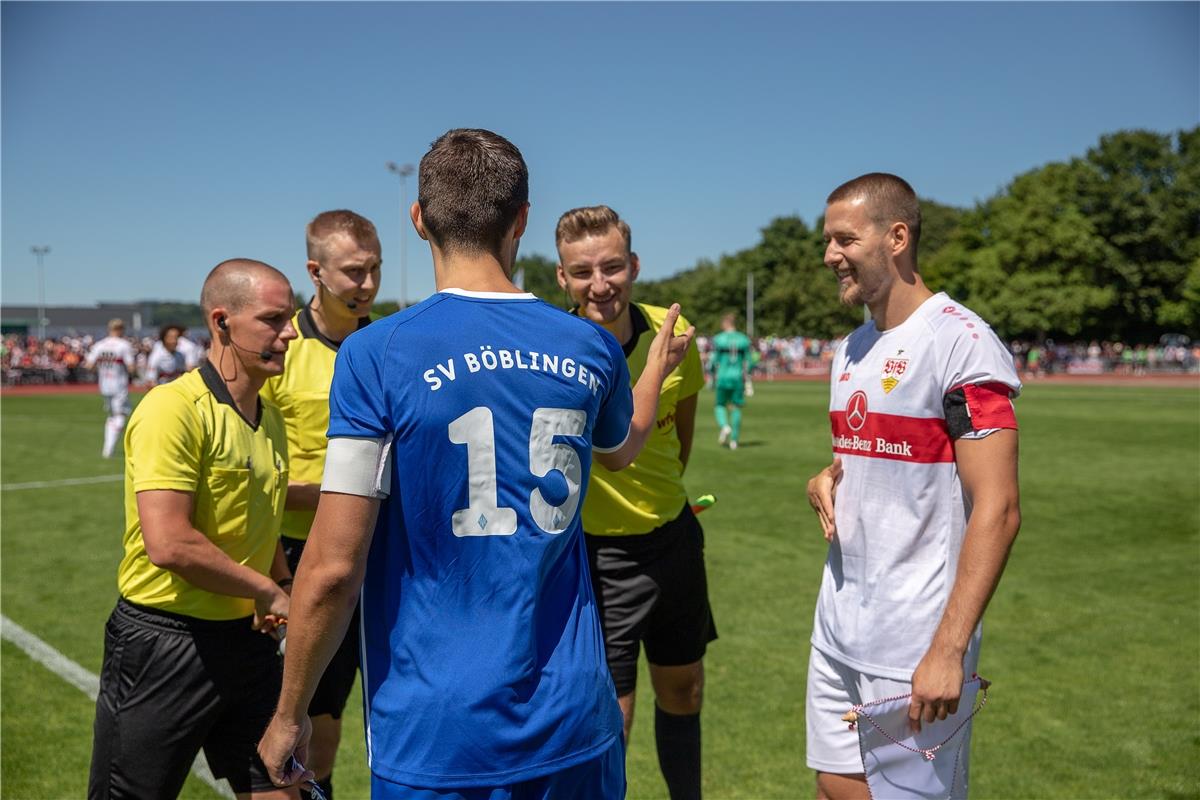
pixel 172 685
pixel 652 588
pixel 334 688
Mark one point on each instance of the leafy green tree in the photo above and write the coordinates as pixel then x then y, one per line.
pixel 540 279
pixel 1097 247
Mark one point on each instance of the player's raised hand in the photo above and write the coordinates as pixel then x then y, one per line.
pixel 822 489
pixel 667 350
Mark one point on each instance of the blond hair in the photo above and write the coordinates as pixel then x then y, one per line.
pixel 579 223
pixel 329 223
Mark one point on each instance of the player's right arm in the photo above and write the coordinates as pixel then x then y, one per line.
pixel 665 354
pixel 130 360
pixel 331 572
pixel 822 489
pixel 323 597
pixel 173 544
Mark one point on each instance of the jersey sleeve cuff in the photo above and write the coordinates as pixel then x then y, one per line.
pixel 598 449
pixel 358 466
pixel 150 484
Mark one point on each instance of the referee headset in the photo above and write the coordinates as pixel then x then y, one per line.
pixel 350 304
pixel 223 324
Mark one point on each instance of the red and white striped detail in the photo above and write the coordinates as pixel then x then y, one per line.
pixel 920 440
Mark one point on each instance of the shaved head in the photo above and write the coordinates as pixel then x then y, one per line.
pixel 231 284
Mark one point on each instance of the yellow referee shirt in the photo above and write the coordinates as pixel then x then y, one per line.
pixel 188 435
pixel 649 492
pixel 302 394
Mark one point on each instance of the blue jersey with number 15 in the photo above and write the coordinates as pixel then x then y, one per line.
pixel 483 660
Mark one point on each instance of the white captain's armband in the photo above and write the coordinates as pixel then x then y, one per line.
pixel 358 466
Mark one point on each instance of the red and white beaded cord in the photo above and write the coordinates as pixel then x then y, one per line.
pixel 929 753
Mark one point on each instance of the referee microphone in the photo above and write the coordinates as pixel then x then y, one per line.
pixel 265 355
pixel 350 304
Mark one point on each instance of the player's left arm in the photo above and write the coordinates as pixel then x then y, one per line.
pixel 987 468
pixel 685 426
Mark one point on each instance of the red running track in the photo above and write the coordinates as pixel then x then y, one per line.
pixel 1187 381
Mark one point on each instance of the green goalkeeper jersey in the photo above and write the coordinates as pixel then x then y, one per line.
pixel 730 357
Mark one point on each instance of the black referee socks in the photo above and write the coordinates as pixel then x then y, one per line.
pixel 678 739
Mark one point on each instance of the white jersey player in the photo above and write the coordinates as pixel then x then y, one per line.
pixel 171 356
pixel 113 359
pixel 925 473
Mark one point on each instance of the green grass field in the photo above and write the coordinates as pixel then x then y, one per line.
pixel 1092 640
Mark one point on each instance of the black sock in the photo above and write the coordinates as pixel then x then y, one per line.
pixel 678 740
pixel 326 787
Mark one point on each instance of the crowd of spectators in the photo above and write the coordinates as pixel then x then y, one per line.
pixel 29 360
pixel 1173 353
pixel 802 355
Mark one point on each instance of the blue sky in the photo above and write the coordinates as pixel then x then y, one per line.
pixel 145 142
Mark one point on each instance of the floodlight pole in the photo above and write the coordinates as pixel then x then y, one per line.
pixel 403 171
pixel 750 304
pixel 40 253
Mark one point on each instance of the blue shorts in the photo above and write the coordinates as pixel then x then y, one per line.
pixel 602 778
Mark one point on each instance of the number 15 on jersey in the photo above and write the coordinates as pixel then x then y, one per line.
pixel 483 516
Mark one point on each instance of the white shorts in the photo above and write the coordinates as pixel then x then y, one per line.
pixel 833 688
pixel 116 404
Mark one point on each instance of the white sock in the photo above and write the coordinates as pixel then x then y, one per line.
pixel 112 432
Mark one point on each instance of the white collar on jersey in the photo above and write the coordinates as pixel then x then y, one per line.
pixel 488 295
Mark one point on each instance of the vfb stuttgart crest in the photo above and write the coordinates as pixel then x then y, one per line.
pixel 893 371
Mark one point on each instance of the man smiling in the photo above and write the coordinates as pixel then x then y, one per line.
pixel 927 507
pixel 645 546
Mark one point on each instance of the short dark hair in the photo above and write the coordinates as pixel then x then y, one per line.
pixel 472 185
pixel 889 199
pixel 328 223
pixel 170 326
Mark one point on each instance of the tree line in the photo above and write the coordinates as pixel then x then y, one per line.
pixel 1104 246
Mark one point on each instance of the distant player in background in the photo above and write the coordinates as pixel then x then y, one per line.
pixel 344 266
pixel 645 546
pixel 167 360
pixel 460 438
pixel 113 358
pixel 925 475
pixel 189 662
pixel 730 365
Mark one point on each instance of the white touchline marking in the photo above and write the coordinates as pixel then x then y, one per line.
pixel 62 482
pixel 87 683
